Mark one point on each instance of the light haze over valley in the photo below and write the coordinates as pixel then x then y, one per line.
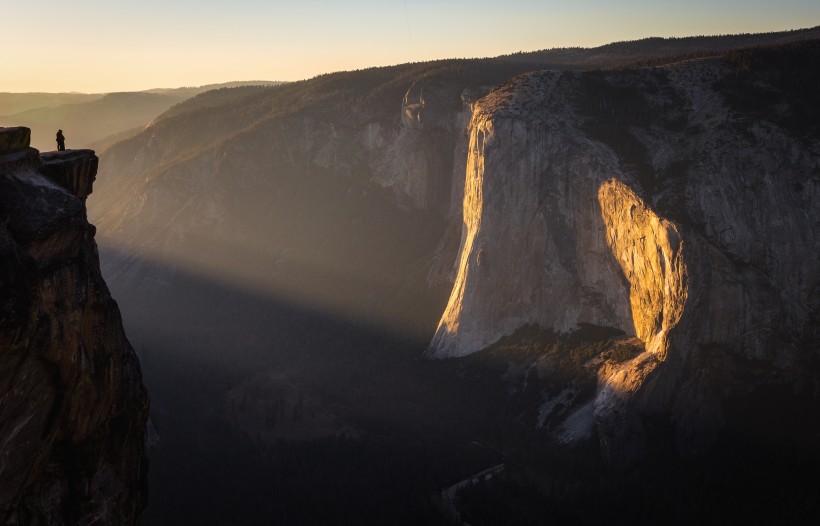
pixel 410 263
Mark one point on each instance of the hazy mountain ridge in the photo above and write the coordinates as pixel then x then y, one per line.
pixel 396 79
pixel 659 48
pixel 13 103
pixel 90 118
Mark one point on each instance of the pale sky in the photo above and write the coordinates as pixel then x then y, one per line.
pixel 114 45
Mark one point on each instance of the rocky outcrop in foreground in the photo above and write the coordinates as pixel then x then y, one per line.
pixel 678 204
pixel 73 408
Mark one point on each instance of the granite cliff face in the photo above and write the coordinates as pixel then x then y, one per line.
pixel 668 203
pixel 72 406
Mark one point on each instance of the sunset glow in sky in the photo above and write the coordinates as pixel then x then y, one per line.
pixel 115 45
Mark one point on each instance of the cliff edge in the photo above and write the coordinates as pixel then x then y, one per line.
pixel 73 408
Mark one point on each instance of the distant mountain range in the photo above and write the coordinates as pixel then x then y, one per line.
pixel 88 120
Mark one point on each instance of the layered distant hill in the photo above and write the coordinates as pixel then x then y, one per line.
pixel 90 120
pixel 12 103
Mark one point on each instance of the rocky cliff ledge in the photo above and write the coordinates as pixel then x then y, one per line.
pixel 73 408
pixel 679 204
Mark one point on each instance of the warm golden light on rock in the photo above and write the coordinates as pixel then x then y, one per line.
pixel 473 204
pixel 650 252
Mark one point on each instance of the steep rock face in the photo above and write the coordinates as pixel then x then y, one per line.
pixel 74 170
pixel 650 252
pixel 411 158
pixel 657 202
pixel 527 256
pixel 72 405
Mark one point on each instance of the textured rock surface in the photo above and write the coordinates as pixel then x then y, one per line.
pixel 650 252
pixel 655 202
pixel 72 405
pixel 14 139
pixel 74 170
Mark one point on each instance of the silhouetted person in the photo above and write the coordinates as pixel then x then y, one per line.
pixel 60 141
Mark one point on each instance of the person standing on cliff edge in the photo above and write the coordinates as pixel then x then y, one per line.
pixel 60 141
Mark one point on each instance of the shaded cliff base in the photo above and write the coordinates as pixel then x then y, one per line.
pixel 421 425
pixel 763 468
pixel 741 481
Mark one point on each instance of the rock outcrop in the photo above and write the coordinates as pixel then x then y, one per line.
pixel 659 202
pixel 73 408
